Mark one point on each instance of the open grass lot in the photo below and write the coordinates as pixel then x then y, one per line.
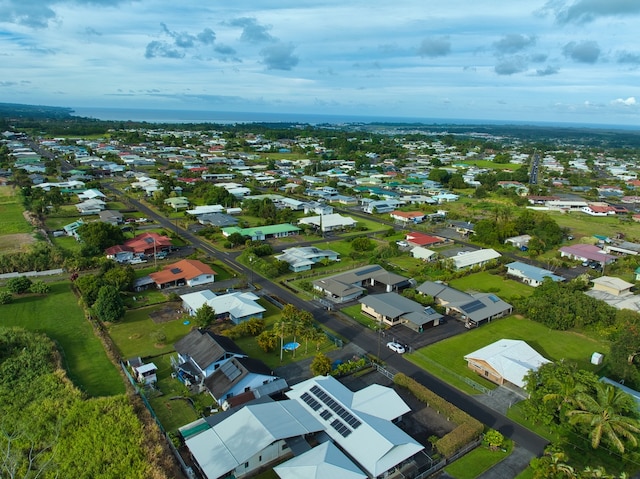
pixel 553 345
pixel 67 243
pixel 355 312
pixel 473 464
pixel 58 316
pixel 485 282
pixel 136 334
pixel 490 164
pixel 11 213
pixel 581 225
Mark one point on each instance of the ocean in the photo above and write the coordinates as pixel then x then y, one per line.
pixel 228 117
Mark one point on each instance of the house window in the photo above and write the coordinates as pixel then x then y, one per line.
pixel 284 446
pixel 246 465
pixel 247 389
pixel 486 373
pixel 259 458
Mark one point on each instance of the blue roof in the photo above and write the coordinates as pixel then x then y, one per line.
pixel 533 272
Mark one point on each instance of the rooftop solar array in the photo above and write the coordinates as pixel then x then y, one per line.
pixel 313 404
pixel 473 306
pixel 335 407
pixel 230 370
pixel 176 270
pixel 343 430
pixel 326 414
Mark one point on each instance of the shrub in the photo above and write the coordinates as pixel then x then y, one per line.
pixel 19 285
pixel 5 297
pixel 39 287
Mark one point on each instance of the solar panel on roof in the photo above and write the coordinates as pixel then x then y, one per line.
pixel 335 407
pixel 176 270
pixel 367 270
pixel 326 414
pixel 473 306
pixel 230 370
pixel 313 404
pixel 494 298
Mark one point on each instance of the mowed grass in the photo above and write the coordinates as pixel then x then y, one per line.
pixel 11 213
pixel 476 462
pixel 553 345
pixel 485 282
pixel 137 335
pixel 59 316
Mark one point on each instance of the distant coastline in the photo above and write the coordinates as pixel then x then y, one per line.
pixel 226 118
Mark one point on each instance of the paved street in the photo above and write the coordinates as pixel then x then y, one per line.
pixel 369 341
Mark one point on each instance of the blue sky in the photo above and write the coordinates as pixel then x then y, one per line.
pixel 524 60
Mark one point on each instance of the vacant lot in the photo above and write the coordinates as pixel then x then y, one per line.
pixel 11 211
pixel 485 282
pixel 58 316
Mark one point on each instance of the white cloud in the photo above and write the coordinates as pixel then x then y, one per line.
pixel 631 101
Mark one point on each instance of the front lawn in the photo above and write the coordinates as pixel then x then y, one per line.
pixel 59 316
pixel 553 345
pixel 137 335
pixel 476 462
pixel 485 282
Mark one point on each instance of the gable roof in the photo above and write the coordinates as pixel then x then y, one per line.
pixel 533 272
pixel 474 257
pixel 142 243
pixel 231 372
pixel 206 348
pixel 510 358
pixel 325 461
pixel 422 239
pixel 185 269
pixel 222 447
pixel 394 305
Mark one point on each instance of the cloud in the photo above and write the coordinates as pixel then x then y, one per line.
pixel 224 49
pixel 162 49
pixel 40 13
pixel 631 101
pixel 586 51
pixel 629 57
pixel 252 31
pixel 206 36
pixel 513 43
pixel 545 72
pixel 585 11
pixel 511 65
pixel 538 57
pixel 279 56
pixel 434 47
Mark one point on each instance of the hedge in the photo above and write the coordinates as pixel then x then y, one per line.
pixel 467 428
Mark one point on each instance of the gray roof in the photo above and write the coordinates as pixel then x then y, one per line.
pixel 232 372
pixel 393 305
pixel 206 348
pixel 481 306
pixel 217 219
pixel 357 276
pixel 442 292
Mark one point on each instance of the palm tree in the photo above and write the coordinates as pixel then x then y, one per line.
pixel 610 414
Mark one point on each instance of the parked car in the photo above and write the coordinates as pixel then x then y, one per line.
pixel 137 261
pixel 402 243
pixel 397 347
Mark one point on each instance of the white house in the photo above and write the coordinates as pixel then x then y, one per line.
pixel 474 258
pixel 236 306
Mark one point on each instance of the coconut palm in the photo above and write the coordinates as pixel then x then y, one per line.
pixel 610 414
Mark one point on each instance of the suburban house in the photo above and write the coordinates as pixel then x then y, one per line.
pixel 622 248
pixel 220 220
pixel 237 376
pixel 476 258
pixel 531 275
pixel 144 244
pixel 260 233
pixel 598 210
pixel 91 194
pixel 91 207
pixel 505 361
pixel 332 222
pixel 352 284
pixel 520 242
pixel 205 209
pixel 72 229
pixel 189 272
pixel 474 309
pixel 463 227
pixel 110 216
pixel 200 353
pixel 408 216
pixel 236 306
pixel 424 240
pixel 392 309
pixel 177 202
pixel 424 254
pixel 586 252
pixel 322 423
pixel 380 206
pixel 615 292
pixel 303 258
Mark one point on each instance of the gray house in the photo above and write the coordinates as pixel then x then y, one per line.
pixel 392 308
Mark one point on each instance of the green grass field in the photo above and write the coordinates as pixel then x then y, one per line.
pixel 476 462
pixel 553 345
pixel 58 316
pixel 485 282
pixel 136 334
pixel 11 213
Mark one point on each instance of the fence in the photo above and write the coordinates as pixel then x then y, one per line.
pixel 464 379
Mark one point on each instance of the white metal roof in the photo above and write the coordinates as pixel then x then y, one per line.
pixel 511 358
pixel 475 257
pixel 325 461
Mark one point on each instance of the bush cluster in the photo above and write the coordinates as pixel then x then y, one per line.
pixel 467 428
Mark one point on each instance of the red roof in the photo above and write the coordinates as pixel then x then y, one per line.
pixel 143 243
pixel 408 214
pixel 421 239
pixel 186 269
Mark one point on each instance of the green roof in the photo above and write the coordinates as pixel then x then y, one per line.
pixel 265 230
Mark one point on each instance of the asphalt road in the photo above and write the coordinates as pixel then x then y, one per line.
pixel 366 339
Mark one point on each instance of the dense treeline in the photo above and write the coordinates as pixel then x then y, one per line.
pixel 48 429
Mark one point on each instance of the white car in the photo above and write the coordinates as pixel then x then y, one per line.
pixel 397 347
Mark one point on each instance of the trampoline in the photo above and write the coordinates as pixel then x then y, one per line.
pixel 291 346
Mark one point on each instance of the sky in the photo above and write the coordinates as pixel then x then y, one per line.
pixel 575 61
